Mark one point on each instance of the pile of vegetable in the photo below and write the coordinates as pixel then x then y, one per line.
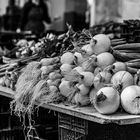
pixel 90 73
pixel 78 68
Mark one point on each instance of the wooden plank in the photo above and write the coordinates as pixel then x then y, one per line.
pixel 88 113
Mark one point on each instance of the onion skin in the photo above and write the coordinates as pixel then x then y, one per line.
pixel 130 99
pixel 107 100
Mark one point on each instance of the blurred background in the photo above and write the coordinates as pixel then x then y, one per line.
pixel 79 13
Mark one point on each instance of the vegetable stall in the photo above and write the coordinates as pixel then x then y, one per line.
pixel 90 78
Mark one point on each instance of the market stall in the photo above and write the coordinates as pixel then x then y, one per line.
pixel 90 78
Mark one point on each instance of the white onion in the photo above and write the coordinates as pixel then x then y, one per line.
pixel 81 100
pixel 44 69
pixel 54 75
pixel 119 66
pixel 66 68
pixel 49 82
pixel 122 79
pixel 89 65
pixel 53 89
pixel 102 78
pixel 87 78
pixel 107 100
pixel 78 69
pixel 82 89
pixel 104 59
pixel 103 43
pixel 67 58
pixel 79 57
pixel 97 70
pixel 92 95
pixel 66 88
pixel 130 99
pixel 88 48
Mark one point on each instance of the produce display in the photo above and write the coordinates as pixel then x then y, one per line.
pixel 75 68
pixel 89 73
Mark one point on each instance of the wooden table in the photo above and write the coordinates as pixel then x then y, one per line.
pixel 88 114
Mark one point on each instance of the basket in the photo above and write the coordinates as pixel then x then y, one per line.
pixel 72 128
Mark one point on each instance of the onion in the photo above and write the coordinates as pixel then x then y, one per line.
pixel 55 82
pixel 78 69
pixel 107 100
pixel 102 78
pixel 66 88
pixel 122 79
pixel 102 43
pixel 49 82
pixel 119 66
pixel 44 69
pixel 67 58
pixel 137 78
pixel 88 49
pixel 2 81
pixel 53 89
pixel 82 89
pixel 79 57
pixel 92 95
pixel 104 59
pixel 54 75
pixel 89 65
pixel 87 78
pixel 66 68
pixel 49 61
pixel 130 99
pixel 81 100
pixel 97 70
pixel 47 69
